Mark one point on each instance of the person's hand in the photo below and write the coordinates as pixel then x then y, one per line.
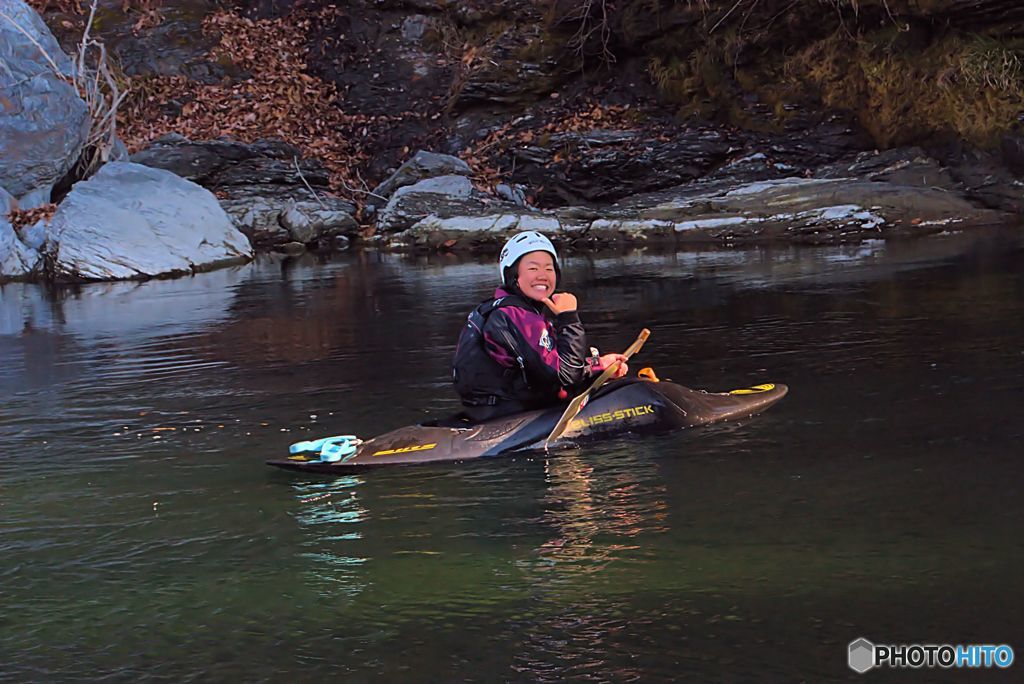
pixel 561 302
pixel 608 359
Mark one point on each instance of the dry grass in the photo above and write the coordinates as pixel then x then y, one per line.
pixel 903 89
pixel 98 86
pixel 985 63
pixel 969 85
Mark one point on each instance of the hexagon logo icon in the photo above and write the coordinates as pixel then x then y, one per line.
pixel 861 655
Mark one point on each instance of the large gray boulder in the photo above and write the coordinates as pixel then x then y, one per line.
pixel 423 165
pixel 133 221
pixel 17 259
pixel 307 222
pixel 272 194
pixel 44 122
pixel 442 195
pixel 276 220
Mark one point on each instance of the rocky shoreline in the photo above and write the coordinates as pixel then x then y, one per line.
pixel 618 173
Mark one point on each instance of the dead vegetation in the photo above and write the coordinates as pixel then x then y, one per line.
pixel 276 98
pixel 280 99
pixel 69 7
pixel 96 83
pixel 906 82
pixel 488 156
pixel 965 84
pixel 23 218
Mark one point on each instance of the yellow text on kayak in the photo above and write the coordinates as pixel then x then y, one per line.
pixel 405 450
pixel 612 416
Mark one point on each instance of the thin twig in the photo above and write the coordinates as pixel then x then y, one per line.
pixel 725 16
pixel 590 25
pixel 365 192
pixel 46 55
pixel 84 45
pixel 298 170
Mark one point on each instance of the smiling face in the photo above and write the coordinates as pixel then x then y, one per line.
pixel 536 275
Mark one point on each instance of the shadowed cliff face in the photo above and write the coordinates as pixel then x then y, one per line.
pixel 909 71
pixel 591 102
pixel 902 72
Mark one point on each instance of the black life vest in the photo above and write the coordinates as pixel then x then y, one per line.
pixel 479 379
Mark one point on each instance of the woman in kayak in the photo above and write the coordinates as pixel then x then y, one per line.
pixel 510 356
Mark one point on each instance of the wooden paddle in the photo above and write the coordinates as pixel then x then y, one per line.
pixel 577 404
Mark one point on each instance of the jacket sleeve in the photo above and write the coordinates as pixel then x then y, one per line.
pixel 572 350
pixel 514 339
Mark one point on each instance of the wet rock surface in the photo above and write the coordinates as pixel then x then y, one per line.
pixel 511 74
pixel 163 39
pixel 988 183
pixel 147 39
pixel 605 165
pixel 227 163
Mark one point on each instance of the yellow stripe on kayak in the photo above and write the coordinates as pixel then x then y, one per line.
pixel 754 390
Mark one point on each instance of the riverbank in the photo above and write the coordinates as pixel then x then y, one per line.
pixel 446 127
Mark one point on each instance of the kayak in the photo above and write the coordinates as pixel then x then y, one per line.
pixel 629 405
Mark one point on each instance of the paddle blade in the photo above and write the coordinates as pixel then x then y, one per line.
pixel 571 411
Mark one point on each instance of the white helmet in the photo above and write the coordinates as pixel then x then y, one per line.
pixel 517 246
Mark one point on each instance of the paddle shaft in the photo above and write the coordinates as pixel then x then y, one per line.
pixel 576 405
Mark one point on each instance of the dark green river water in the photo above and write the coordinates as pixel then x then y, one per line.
pixel 142 537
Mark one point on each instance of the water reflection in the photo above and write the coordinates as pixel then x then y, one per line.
pixel 331 516
pixel 606 509
pixel 587 506
pixel 887 478
pixel 95 312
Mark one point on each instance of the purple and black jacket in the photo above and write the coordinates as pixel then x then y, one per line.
pixel 527 358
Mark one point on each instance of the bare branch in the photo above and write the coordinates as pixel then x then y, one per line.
pixel 364 191
pixel 594 18
pixel 96 86
pixel 298 170
pixel 726 16
pixel 42 50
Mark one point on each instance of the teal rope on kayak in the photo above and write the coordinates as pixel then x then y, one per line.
pixel 331 449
